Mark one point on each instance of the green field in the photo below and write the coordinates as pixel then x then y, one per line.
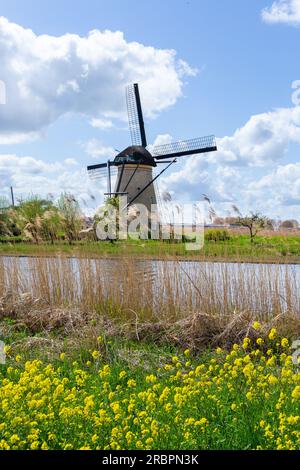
pixel 270 248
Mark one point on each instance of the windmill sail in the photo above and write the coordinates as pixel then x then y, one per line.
pixel 101 170
pixel 185 147
pixel 135 116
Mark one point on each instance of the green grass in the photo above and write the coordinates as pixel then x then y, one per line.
pixel 237 248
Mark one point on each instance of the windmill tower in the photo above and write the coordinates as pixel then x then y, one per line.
pixel 135 164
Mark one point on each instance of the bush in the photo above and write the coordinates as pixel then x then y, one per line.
pixel 8 239
pixel 217 235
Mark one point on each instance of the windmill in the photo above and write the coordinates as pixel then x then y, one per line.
pixel 135 164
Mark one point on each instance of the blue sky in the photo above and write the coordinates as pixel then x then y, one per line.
pixel 240 60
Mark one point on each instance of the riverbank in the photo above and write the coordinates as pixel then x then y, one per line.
pixel 265 249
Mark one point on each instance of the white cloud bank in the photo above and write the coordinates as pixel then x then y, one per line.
pixel 233 174
pixel 283 11
pixel 47 77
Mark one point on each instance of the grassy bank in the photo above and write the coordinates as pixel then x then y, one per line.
pixel 267 248
pixel 119 394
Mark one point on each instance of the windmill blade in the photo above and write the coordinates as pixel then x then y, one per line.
pixel 185 147
pixel 96 167
pixel 99 171
pixel 135 116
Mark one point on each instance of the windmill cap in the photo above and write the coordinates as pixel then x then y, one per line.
pixel 135 154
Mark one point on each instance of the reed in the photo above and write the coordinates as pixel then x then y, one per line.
pixel 129 289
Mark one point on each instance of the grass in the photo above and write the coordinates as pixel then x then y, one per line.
pixel 281 247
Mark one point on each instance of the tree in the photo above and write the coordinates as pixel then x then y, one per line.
pixel 254 222
pixel 289 224
pixel 219 221
pixel 51 225
pixel 28 216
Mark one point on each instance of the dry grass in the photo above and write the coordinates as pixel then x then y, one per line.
pixel 194 305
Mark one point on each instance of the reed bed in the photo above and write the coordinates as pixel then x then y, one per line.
pixel 152 291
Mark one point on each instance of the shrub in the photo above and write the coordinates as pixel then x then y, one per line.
pixel 217 235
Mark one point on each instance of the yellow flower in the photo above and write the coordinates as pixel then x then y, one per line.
pixel 131 383
pixel 14 439
pixel 151 378
pixel 67 447
pixel 272 334
pixel 284 342
pixel 34 445
pixel 62 356
pixel 7 350
pixel 272 380
pixel 246 343
pixel 149 441
pixel 256 325
pixel 18 358
pixel 259 341
pixel 296 392
pixel 187 353
pixel 122 374
pixel 95 354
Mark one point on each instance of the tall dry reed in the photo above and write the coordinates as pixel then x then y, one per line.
pixel 154 290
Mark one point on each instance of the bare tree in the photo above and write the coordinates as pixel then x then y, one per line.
pixel 254 222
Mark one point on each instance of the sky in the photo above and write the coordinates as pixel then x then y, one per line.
pixel 228 68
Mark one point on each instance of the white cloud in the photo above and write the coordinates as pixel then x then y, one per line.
pixel 70 162
pixel 262 140
pixel 9 138
pixel 101 124
pixel 47 77
pixel 96 149
pixel 283 184
pixel 26 165
pixel 283 11
pixel 161 139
